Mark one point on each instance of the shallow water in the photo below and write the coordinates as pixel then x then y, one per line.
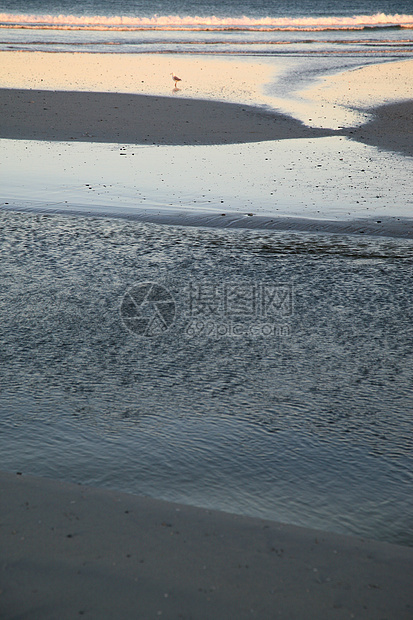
pixel 329 178
pixel 279 383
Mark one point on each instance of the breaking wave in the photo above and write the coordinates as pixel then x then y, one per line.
pixel 175 22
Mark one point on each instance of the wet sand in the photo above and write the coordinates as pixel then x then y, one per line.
pixel 67 550
pixel 390 128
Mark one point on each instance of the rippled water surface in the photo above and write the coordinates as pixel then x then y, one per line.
pixel 277 382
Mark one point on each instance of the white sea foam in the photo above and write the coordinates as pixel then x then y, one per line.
pixel 195 22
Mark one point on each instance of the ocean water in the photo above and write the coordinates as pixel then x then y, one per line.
pixel 378 28
pixel 260 372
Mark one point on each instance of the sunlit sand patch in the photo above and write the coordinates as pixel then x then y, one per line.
pixel 343 99
pixel 202 77
pixel 368 86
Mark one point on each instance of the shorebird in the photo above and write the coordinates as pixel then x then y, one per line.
pixel 176 79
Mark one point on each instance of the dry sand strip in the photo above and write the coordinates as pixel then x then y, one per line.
pixel 67 551
pixel 401 227
pixel 139 119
